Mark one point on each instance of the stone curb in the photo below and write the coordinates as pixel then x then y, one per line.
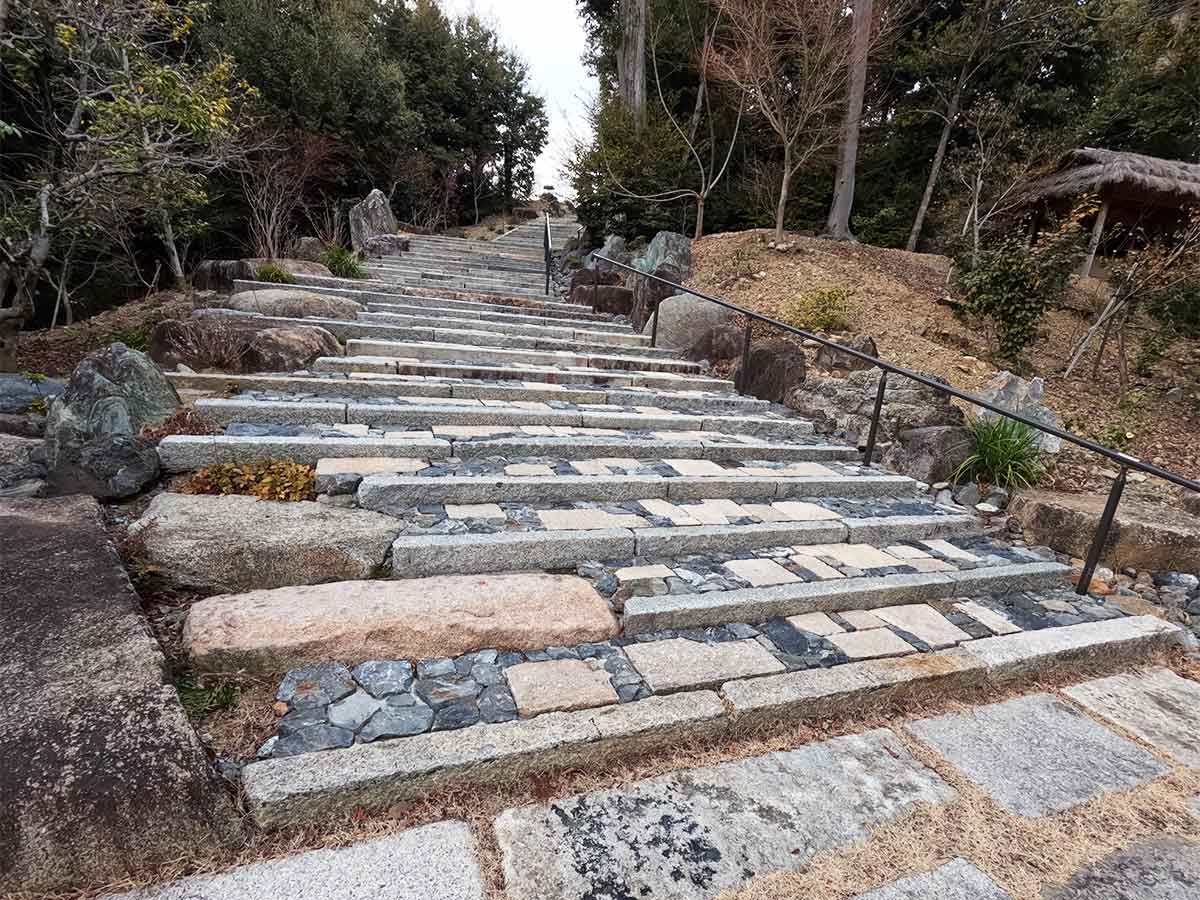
pixel 187 452
pixel 317 785
pixel 648 614
pixel 457 352
pixel 422 555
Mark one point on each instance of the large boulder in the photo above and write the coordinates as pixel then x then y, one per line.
pixel 668 256
pixel 310 248
pixel 774 370
pixel 102 775
pixel 239 343
pixel 585 278
pixel 113 393
pixel 930 454
pixel 844 406
pixel 371 218
pixel 683 320
pixel 290 303
pixel 1144 536
pixel 614 248
pixel 1017 395
pixel 239 543
pixel 605 298
pixel 718 344
pixel 19 394
pixel 831 358
pixel 220 274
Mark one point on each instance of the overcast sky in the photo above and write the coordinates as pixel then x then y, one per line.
pixel 549 35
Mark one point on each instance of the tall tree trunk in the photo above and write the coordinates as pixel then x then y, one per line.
pixel 699 233
pixel 168 239
pixel 936 169
pixel 838 224
pixel 784 187
pixel 631 59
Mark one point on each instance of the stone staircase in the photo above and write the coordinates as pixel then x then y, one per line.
pixel 540 542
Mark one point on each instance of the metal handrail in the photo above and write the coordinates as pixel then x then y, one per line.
pixel 1125 461
pixel 547 241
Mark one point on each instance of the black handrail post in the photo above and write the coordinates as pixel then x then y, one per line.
pixel 546 246
pixel 874 432
pixel 1101 538
pixel 595 287
pixel 744 367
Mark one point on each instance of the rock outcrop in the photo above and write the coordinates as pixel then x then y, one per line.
pixel 683 320
pixel 829 358
pixel 370 219
pixel 1025 397
pixel 239 343
pixel 91 430
pixel 668 256
pixel 220 274
pixel 290 303
pixel 774 371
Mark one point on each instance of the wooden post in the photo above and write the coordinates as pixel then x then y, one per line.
pixel 1094 244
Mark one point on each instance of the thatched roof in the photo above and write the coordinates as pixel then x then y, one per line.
pixel 1144 180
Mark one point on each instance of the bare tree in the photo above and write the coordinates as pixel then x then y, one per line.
pixel 987 30
pixel 710 170
pixel 790 58
pixel 631 59
pixel 274 179
pixel 838 224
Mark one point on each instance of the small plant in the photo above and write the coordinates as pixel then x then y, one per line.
pixel 200 699
pixel 39 405
pixel 273 274
pixel 1115 437
pixel 133 338
pixel 280 480
pixel 1006 454
pixel 821 309
pixel 1153 349
pixel 343 263
pixel 184 420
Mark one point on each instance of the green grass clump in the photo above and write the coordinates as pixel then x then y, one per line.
pixel 199 699
pixel 273 274
pixel 343 263
pixel 820 309
pixel 1006 454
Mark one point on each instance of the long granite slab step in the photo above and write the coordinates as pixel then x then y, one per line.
pixel 457 275
pixel 429 413
pixel 553 538
pixel 370 385
pixel 312 786
pixel 655 613
pixel 432 861
pixel 566 375
pixel 423 307
pixel 377 284
pixel 531 328
pixel 182 453
pixel 469 353
pixel 370 292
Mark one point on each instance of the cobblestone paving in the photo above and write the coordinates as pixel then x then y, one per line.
pixel 331 706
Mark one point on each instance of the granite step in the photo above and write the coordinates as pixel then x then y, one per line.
pixel 530 329
pixel 512 536
pixel 182 453
pixel 532 417
pixel 371 386
pixel 312 786
pixel 442 262
pixel 430 351
pixel 515 286
pixel 455 273
pixel 516 371
pixel 398 304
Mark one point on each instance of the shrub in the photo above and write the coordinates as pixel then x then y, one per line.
pixel 272 273
pixel 1011 285
pixel 213 343
pixel 821 309
pixel 281 480
pixel 343 263
pixel 133 338
pixel 184 420
pixel 1006 454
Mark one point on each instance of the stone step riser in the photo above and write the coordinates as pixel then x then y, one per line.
pixel 648 614
pixel 553 332
pixel 184 453
pixel 384 287
pixel 465 282
pixel 452 264
pixel 419 306
pixel 469 554
pixel 464 353
pixel 269 412
pixel 452 272
pixel 381 387
pixel 318 786
pixel 392 493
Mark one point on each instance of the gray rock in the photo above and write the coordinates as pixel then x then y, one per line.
pixel 457 714
pixel 1166 869
pixel 695 833
pixel 1024 753
pixel 97 750
pixel 1158 706
pixel 496 704
pixel 967 495
pixel 297 719
pixel 293 303
pixel 774 371
pixel 312 738
pixel 1025 397
pixel 383 678
pixel 398 718
pixel 435 668
pixel 440 692
pixel 683 320
pixel 26 425
pixel 957 880
pixel 109 467
pixel 236 342
pixel 669 256
pixel 14 451
pixel 371 218
pixel 329 679
pixel 845 406
pixel 829 358
pixel 433 862
pixel 930 454
pixel 309 247
pixel 353 712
